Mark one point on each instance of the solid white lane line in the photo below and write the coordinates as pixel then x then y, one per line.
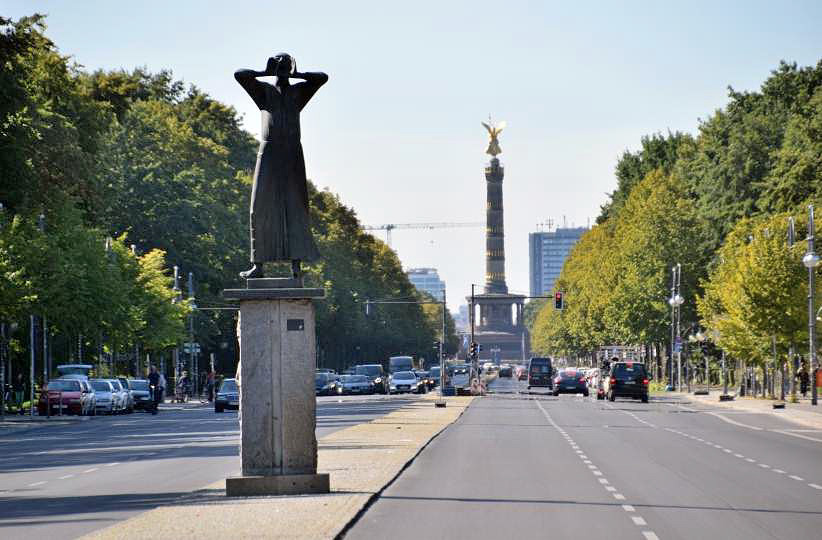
pixel 638 521
pixel 628 508
pixel 66 477
pixel 798 478
pixel 734 422
pixel 37 484
pixel 797 435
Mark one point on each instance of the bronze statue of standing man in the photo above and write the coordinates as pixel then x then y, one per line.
pixel 280 228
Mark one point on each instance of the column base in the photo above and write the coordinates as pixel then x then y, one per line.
pixel 287 484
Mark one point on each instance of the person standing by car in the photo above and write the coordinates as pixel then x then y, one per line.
pixel 210 386
pixel 154 384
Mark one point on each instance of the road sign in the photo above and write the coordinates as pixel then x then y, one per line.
pixel 678 345
pixel 187 347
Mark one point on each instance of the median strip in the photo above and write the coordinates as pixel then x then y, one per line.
pixel 362 460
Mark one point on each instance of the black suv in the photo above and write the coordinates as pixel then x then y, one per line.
pixel 627 379
pixel 540 373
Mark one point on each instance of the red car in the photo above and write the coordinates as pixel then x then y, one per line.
pixel 65 394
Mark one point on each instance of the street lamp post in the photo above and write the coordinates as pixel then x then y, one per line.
pixel 811 261
pixel 675 302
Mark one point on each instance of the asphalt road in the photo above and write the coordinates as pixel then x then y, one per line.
pixel 529 465
pixel 67 480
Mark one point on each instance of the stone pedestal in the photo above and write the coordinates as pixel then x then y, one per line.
pixel 278 448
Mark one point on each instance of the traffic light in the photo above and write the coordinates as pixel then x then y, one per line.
pixel 558 300
pixel 474 350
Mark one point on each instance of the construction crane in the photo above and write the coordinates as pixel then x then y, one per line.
pixel 388 227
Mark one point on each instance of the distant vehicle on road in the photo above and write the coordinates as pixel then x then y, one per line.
pixel 405 382
pixel 65 396
pixel 627 379
pixel 425 378
pixel 124 396
pixel 376 374
pixel 400 363
pixel 434 376
pixel 461 379
pixel 228 396
pixel 570 381
pixel 540 373
pixel 107 401
pixel 74 371
pixel 141 394
pixel 326 370
pixel 355 384
pixel 521 373
pixel 505 370
pixel 325 384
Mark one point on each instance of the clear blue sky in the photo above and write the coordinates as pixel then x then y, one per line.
pixel 396 132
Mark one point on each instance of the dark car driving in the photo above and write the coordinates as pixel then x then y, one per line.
pixel 325 384
pixel 570 381
pixel 627 379
pixel 540 373
pixel 228 396
pixel 142 394
pixel 376 374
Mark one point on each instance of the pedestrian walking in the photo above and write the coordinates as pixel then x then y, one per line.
pixel 804 379
pixel 19 388
pixel 210 386
pixel 154 384
pixel 162 387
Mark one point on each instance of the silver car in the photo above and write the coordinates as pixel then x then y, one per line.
pixel 126 405
pixel 355 384
pixel 107 402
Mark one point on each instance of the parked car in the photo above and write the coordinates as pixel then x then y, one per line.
pixel 376 373
pixel 505 370
pixel 141 394
pixel 540 373
pixel 325 384
pixel 570 381
pixel 228 396
pixel 355 384
pixel 65 396
pixel 106 399
pixel 627 379
pixel 126 403
pixel 326 370
pixel 405 381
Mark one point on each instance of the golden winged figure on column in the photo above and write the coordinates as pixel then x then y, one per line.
pixel 493 132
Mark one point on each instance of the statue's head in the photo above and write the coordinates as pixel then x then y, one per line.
pixel 286 65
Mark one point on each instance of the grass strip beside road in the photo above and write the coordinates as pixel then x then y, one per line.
pixel 362 460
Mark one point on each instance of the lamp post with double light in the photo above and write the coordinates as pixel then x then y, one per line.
pixel 675 301
pixel 811 261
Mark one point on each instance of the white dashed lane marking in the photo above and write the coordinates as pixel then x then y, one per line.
pixel 638 520
pixel 37 484
pixel 66 477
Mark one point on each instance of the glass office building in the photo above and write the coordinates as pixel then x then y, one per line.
pixel 547 253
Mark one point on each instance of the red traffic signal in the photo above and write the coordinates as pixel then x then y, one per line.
pixel 558 300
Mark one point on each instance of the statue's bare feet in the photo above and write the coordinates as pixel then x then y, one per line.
pixel 255 271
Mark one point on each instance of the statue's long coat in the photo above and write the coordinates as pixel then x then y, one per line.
pixel 280 227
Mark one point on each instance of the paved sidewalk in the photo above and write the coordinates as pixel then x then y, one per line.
pixel 802 413
pixel 361 460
